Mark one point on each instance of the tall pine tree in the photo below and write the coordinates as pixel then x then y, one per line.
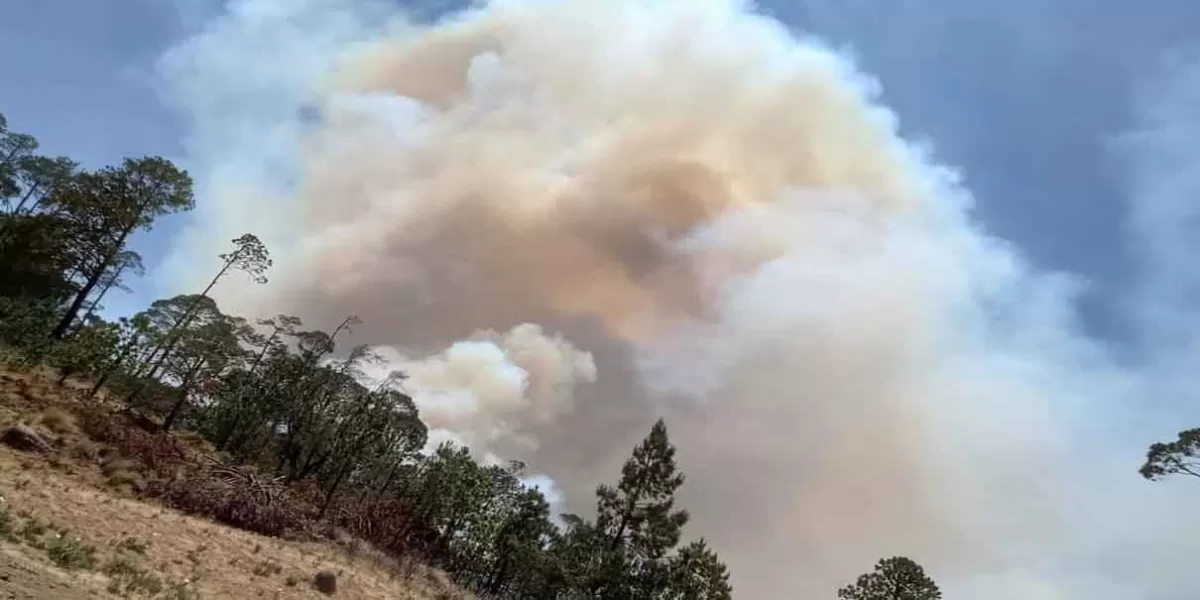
pixel 638 523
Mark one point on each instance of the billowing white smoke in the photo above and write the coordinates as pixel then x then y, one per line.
pixel 730 234
pixel 482 392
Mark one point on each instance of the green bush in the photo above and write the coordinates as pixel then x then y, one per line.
pixel 71 553
pixel 33 530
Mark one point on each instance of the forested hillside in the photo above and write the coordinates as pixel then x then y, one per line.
pixel 293 405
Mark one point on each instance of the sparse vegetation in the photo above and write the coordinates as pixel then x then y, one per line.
pixel 181 591
pixel 70 552
pixel 33 531
pixel 119 465
pixel 6 523
pixel 266 568
pixel 126 578
pixel 133 545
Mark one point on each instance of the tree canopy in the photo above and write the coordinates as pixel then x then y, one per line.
pixel 896 578
pixel 1180 457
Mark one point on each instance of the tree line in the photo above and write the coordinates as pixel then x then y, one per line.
pixel 294 404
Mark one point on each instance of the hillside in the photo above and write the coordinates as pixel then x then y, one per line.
pixel 74 524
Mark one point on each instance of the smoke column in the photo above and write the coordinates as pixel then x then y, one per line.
pixel 566 219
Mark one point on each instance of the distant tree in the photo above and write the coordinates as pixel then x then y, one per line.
pixel 1174 458
pixel 107 207
pixel 205 353
pixel 249 256
pixel 36 248
pixel 896 578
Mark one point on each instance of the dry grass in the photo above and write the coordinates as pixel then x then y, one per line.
pixel 84 449
pixel 194 440
pixel 116 465
pixel 59 421
pixel 143 545
pixel 221 562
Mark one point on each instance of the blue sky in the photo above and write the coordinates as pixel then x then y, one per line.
pixel 1021 95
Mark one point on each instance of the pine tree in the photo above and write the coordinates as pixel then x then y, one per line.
pixel 896 578
pixel 638 514
pixel 637 520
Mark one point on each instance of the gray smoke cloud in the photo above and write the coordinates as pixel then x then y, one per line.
pixel 566 219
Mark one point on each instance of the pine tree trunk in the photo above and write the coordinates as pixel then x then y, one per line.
pixel 183 394
pixel 64 324
pixel 333 488
pixel 100 383
pixel 175 410
pixel 21 205
pixel 92 306
pixel 116 364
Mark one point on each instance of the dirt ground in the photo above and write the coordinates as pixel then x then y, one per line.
pixel 191 557
pixel 23 577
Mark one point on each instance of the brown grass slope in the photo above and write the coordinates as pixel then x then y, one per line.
pixel 108 484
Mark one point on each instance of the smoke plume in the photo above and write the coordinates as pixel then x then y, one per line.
pixel 680 209
pixel 480 392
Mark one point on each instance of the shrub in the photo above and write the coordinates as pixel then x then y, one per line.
pixel 33 530
pixel 6 524
pixel 134 545
pixel 128 578
pixel 71 553
pixel 127 481
pixel 160 454
pixel 243 504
